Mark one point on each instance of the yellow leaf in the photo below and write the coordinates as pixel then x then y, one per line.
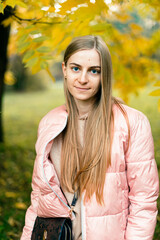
pixel 11 3
pixel 32 62
pixel 69 4
pixel 155 92
pixel 9 78
pixel 10 194
pixel 57 31
pixel 21 4
pixel 65 42
pixel 51 9
pixel 45 2
pixel 36 68
pixel 1 7
pixel 12 221
pixel 89 11
pixel 28 54
pixel 123 17
pixel 142 44
pixel 43 64
pixel 23 47
pixel 136 29
pixel 157 84
pixel 20 205
pixel 7 22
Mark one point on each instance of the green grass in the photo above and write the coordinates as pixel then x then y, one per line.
pixel 22 113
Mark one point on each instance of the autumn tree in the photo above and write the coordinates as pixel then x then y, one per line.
pixel 43 28
pixel 4 37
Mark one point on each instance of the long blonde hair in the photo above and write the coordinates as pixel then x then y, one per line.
pixel 84 168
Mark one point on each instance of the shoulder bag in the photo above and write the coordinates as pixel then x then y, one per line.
pixel 54 228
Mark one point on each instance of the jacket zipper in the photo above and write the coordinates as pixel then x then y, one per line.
pixel 83 222
pixel 43 168
pixel 82 206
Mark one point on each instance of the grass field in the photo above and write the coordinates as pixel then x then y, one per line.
pixel 22 113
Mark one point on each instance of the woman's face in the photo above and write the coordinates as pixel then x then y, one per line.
pixel 83 74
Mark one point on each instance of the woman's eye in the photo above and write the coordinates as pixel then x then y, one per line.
pixel 94 71
pixel 75 69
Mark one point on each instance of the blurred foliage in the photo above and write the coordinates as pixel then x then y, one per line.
pixel 41 30
pixel 9 78
pixel 19 78
pixel 18 154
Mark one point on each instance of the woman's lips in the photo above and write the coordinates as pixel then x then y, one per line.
pixel 82 89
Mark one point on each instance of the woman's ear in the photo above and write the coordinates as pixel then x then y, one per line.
pixel 64 69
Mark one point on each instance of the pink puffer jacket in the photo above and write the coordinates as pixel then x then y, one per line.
pixel 131 185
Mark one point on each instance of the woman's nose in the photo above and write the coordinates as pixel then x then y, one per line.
pixel 83 77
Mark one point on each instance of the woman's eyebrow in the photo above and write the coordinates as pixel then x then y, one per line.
pixel 95 67
pixel 75 64
pixel 80 65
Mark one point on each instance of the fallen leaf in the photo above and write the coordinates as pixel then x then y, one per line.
pixel 11 221
pixel 20 205
pixel 11 194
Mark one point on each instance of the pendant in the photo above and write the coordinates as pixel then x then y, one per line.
pixel 45 235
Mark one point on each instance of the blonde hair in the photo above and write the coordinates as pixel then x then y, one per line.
pixel 84 168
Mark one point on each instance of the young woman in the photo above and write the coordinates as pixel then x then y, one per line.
pixel 99 148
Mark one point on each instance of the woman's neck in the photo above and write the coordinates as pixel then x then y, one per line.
pixel 83 107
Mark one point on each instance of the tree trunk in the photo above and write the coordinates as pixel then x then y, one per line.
pixel 4 37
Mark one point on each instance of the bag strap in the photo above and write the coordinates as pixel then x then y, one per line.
pixel 73 204
pixel 75 198
pixel 74 201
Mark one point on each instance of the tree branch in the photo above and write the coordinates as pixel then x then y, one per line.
pixel 34 20
pixel 11 12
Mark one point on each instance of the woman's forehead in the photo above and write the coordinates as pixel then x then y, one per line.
pixel 83 57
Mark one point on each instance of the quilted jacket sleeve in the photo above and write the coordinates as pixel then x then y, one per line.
pixel 31 213
pixel 142 176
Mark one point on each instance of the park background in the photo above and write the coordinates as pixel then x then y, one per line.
pixel 33 36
